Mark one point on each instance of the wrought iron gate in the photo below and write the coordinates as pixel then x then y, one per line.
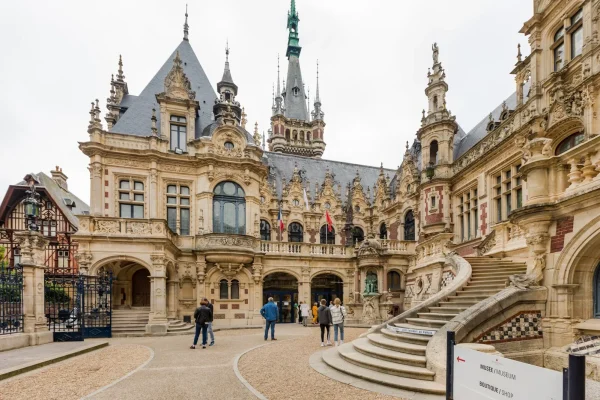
pixel 78 306
pixel 11 299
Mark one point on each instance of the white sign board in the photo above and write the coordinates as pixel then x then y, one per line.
pixel 483 376
pixel 398 329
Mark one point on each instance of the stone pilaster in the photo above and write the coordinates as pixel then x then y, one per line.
pixel 157 324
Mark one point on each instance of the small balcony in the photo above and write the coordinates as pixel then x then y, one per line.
pixel 227 249
pixel 129 227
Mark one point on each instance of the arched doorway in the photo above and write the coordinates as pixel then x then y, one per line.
pixel 326 286
pixel 283 288
pixel 409 226
pixel 140 288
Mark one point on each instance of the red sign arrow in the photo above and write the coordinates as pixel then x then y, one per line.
pixel 459 359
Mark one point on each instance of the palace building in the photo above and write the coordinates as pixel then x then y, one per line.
pixel 479 231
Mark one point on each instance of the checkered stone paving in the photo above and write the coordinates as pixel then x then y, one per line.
pixel 523 326
pixel 447 278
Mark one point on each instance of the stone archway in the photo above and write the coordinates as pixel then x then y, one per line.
pixel 326 286
pixel 283 288
pixel 140 288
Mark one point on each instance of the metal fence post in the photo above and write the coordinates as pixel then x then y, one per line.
pixel 576 377
pixel 565 384
pixel 450 342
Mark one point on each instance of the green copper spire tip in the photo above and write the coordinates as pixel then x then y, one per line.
pixel 293 39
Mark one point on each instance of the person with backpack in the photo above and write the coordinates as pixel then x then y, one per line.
pixel 202 315
pixel 338 315
pixel 325 320
pixel 270 313
pixel 209 323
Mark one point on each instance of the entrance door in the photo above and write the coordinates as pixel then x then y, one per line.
pixel 596 290
pixel 285 303
pixel 140 283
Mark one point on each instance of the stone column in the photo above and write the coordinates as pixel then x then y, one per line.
pixel 172 299
pixel 96 187
pixel 157 324
pixel 33 246
pixel 201 275
pixel 153 193
pixel 304 286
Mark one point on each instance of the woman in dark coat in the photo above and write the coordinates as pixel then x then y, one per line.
pixel 203 316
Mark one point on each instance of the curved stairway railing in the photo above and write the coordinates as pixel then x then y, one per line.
pixel 476 317
pixel 463 275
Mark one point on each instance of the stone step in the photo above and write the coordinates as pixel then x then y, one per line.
pixel 333 359
pixel 485 286
pixel 364 346
pixel 406 337
pixel 440 316
pixel 350 354
pixel 474 298
pixel 478 281
pixel 130 326
pixel 433 323
pixel 377 339
pixel 458 303
pixel 486 293
pixel 497 273
pixel 494 264
pixel 180 328
pixel 448 309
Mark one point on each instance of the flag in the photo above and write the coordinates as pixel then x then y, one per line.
pixel 280 220
pixel 329 221
pixel 306 199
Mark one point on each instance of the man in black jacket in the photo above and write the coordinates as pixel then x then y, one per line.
pixel 209 329
pixel 202 315
pixel 325 319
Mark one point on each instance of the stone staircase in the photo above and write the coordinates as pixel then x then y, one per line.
pixel 132 322
pixel 399 359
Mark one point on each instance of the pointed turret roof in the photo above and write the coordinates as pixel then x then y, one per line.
pixel 227 80
pixel 136 118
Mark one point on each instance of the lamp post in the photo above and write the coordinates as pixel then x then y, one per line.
pixel 31 204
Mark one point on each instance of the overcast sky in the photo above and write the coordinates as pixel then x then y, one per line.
pixel 57 56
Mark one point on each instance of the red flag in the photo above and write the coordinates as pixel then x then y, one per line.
pixel 329 221
pixel 280 220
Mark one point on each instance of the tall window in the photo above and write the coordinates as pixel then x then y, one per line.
pixel 409 226
pixel 229 209
pixel 569 143
pixel 393 280
pixel 178 208
pixel 383 231
pixel 468 213
pixel 508 192
pixel 433 152
pixel 358 235
pixel 131 199
pixel 223 289
pixel 265 230
pixel 326 236
pixel 178 133
pixel 559 49
pixel 295 233
pixel 576 31
pixel 235 289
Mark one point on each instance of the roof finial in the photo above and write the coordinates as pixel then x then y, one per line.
pixel 153 120
pixel 186 27
pixel 273 94
pixel 318 98
pixel 308 102
pixel 120 76
pixel 244 119
pixel 264 144
pixel 278 80
pixel 519 55
pixel 227 51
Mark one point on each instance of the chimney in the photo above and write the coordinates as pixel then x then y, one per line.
pixel 60 178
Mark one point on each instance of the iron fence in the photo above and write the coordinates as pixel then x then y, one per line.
pixel 11 299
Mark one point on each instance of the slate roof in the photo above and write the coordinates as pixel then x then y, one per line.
pixel 295 106
pixel 463 143
pixel 281 169
pixel 136 120
pixel 59 195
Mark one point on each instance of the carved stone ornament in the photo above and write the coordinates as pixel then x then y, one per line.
pixel 532 279
pixel 32 245
pixel 107 226
pixel 369 248
pixel 487 244
pixel 177 85
pixel 139 228
pixel 226 240
pixel 229 270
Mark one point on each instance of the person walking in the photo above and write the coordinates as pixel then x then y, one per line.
pixel 270 313
pixel 299 311
pixel 315 314
pixel 305 313
pixel 338 315
pixel 325 320
pixel 209 323
pixel 202 315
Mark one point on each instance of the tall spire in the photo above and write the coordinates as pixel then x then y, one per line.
pixel 317 113
pixel 277 98
pixel 227 79
pixel 293 39
pixel 278 80
pixel 318 98
pixel 186 27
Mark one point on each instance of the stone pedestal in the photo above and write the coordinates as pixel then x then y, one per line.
pixel 370 314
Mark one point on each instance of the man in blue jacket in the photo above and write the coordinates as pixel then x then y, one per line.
pixel 270 313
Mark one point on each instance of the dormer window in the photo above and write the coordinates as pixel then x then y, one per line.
pixel 178 134
pixel 296 91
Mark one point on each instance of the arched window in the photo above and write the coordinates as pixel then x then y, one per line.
pixel 358 235
pixel 409 226
pixel 393 280
pixel 295 233
pixel 265 230
pixel 383 231
pixel 287 135
pixel 223 290
pixel 559 49
pixel 229 209
pixel 569 143
pixel 435 103
pixel 235 289
pixel 326 236
pixel 433 152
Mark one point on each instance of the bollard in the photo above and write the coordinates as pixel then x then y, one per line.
pixel 576 377
pixel 565 384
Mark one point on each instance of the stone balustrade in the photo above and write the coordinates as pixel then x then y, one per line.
pixel 305 249
pixel 398 246
pixel 107 226
pixel 579 168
